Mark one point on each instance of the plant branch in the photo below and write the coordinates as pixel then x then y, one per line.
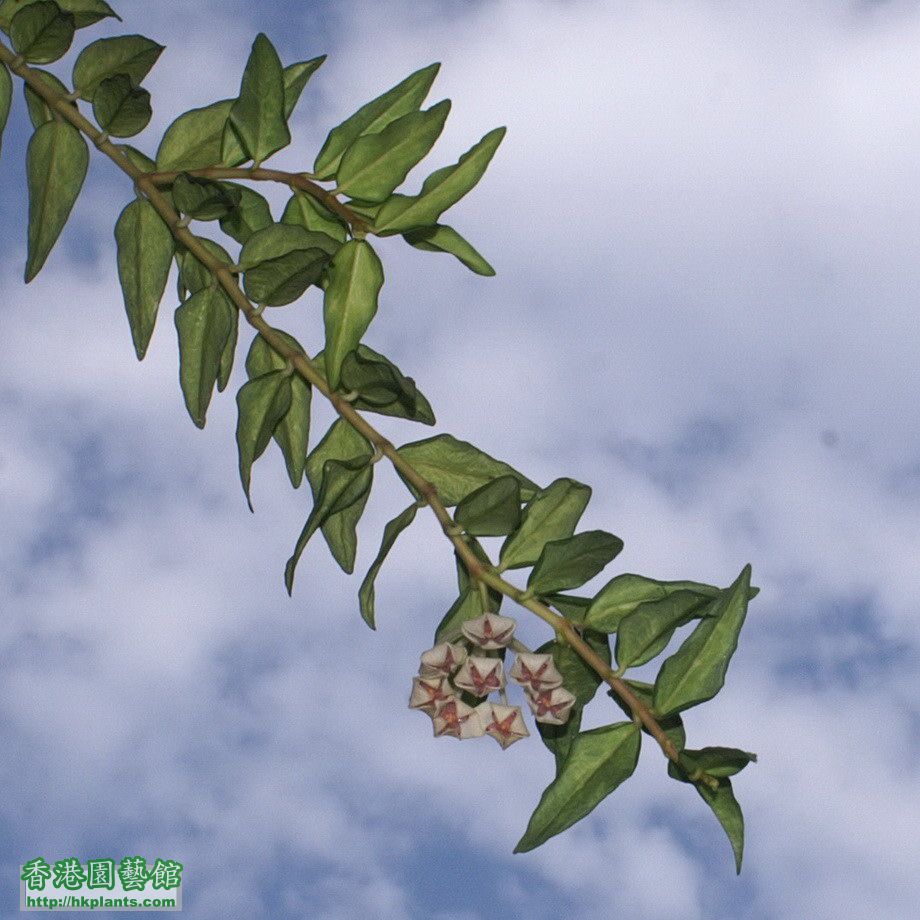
pixel 300 181
pixel 147 184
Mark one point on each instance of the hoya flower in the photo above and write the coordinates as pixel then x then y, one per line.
pixel 481 676
pixel 442 660
pixel 490 631
pixel 552 707
pixel 453 717
pixel 504 723
pixel 536 672
pixel 427 692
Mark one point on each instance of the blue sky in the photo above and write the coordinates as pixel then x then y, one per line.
pixel 705 235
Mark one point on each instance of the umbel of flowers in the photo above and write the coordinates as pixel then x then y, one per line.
pixel 450 669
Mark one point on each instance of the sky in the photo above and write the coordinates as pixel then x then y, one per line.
pixel 705 239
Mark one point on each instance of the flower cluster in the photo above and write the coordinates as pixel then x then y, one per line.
pixel 451 668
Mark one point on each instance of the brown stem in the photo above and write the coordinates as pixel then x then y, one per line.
pixel 147 184
pixel 294 180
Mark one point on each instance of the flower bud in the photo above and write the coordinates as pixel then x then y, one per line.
pixel 454 717
pixel 428 692
pixel 504 723
pixel 490 631
pixel 442 660
pixel 552 707
pixel 481 676
pixel 536 672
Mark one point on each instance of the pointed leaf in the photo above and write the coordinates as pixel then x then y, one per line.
pixel 696 671
pixel 441 238
pixel 569 563
pixel 552 514
pixel 250 215
pixel 623 594
pixel 456 468
pixel 571 607
pixel 204 323
pixel 42 32
pixel 228 355
pixel 441 190
pixel 341 442
pixel 120 108
pixel 377 380
pixel 403 98
pixel 467 606
pixel 194 275
pixel 278 282
pixel 257 121
pixel 343 484
pixel 6 98
pixel 493 510
pixel 85 12
pixel 56 164
pixel 296 77
pixel 262 403
pixel 376 164
pixel 719 762
pixel 648 629
pixel 132 55
pixel 598 762
pixel 145 253
pixel 280 239
pixel 579 679
pixel 293 431
pixel 725 807
pixel 350 302
pixel 305 211
pixel 193 140
pixel 393 529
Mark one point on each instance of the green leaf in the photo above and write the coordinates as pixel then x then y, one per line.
pixel 262 403
pixel 441 238
pixel 648 629
pixel 570 562
pixel 204 323
pixel 392 530
pixel 696 671
pixel 251 214
pixel 571 607
pixel 204 199
pixel 120 108
pixel 194 275
pixel 280 239
pixel 42 32
pixel 725 807
pixel 719 762
pixel 193 140
pixel 145 253
pixel 257 121
pixel 467 606
pixel 581 681
pixel 56 164
pixel 139 159
pixel 403 98
pixel 281 281
pixel 39 110
pixel 456 468
pixel 623 594
pixel 132 55
pixel 552 514
pixel 293 431
pixel 228 355
pixel 296 77
pixel 6 98
pixel 85 12
pixel 598 762
pixel 441 190
pixel 376 164
pixel 305 211
pixel 341 442
pixel 350 302
pixel 344 483
pixel 673 726
pixel 493 510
